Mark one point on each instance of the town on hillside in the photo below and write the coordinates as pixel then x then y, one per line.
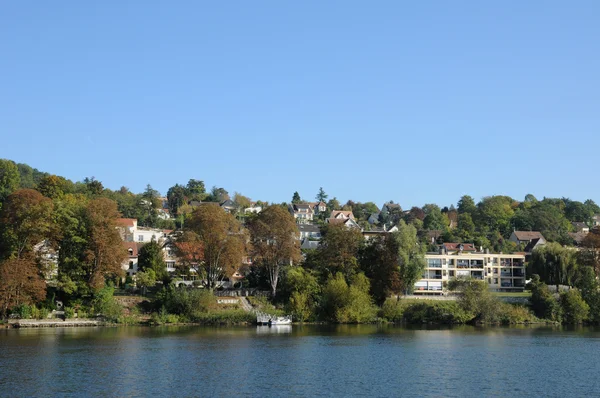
pixel 75 239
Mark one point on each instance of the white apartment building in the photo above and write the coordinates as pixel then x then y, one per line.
pixel 502 272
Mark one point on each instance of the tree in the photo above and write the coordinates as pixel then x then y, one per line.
pixel 52 186
pixel 556 265
pixel 543 305
pixel 9 178
pixel 590 251
pixel 20 283
pixel 150 257
pixel 466 227
pixel 273 239
pixel 218 194
pixel 301 289
pixel 296 198
pixel 176 195
pixel 196 189
pixel 411 256
pixel 379 262
pixel 574 309
pixel 495 213
pixel 93 186
pixel 243 202
pixel 339 251
pixel 475 297
pixel 434 219
pixel 145 279
pixel 344 302
pixel 321 195
pixel 466 204
pixel 26 220
pixel 333 204
pixel 104 253
pixel 222 240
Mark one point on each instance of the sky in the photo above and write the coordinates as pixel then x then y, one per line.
pixel 415 102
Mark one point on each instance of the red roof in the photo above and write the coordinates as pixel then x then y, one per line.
pixel 127 222
pixel 131 246
pixel 467 247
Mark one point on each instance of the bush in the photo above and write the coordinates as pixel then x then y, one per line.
pixel 105 304
pixel 69 312
pixel 185 301
pixel 348 304
pixel 511 314
pixel 444 312
pixel 574 309
pixel 392 310
pixel 542 302
pixel 22 311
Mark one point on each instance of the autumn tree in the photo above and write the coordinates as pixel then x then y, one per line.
pixel 222 239
pixel 52 186
pixel 273 239
pixel 25 220
pixel 20 283
pixel 105 252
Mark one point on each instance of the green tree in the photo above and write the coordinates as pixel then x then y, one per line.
pixel 411 256
pixel 542 302
pixel 296 198
pixel 590 292
pixel 176 195
pixel 150 257
pixel 574 309
pixel 466 227
pixel 273 240
pixel 333 204
pixel 475 297
pixel 9 179
pixel 321 195
pixel 379 261
pixel 301 289
pixel 466 204
pixel 434 219
pixel 556 265
pixel 343 303
pixel 495 213
pixel 52 186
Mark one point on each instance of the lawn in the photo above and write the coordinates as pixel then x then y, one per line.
pixel 512 294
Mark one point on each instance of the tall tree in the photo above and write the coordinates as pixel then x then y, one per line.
pixel 411 256
pixel 339 251
pixel 25 220
pixel 296 198
pixel 466 204
pixel 222 239
pixel 555 264
pixel 321 195
pixel 274 245
pixel 105 252
pixel 52 186
pixel 176 195
pixel 379 262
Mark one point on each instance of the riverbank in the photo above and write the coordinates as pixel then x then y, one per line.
pixel 53 323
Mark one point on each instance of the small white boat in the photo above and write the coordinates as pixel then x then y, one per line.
pixel 280 320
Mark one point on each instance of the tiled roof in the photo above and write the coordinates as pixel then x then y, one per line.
pixel 528 235
pixel 346 213
pixel 126 222
pixel 467 247
pixel 133 246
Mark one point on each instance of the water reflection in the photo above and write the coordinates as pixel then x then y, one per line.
pixel 274 329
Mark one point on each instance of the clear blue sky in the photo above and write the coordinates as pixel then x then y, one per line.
pixel 417 102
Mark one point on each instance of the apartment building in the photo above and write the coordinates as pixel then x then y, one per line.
pixel 502 272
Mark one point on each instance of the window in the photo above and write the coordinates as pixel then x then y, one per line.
pixel 131 265
pixel 451 273
pixel 140 238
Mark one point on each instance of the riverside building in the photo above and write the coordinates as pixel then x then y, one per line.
pixel 501 272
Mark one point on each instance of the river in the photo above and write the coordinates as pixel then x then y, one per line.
pixel 358 360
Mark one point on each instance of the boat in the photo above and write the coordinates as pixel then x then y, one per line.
pixel 280 320
pixel 272 320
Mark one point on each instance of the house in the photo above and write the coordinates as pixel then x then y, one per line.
pixel 163 214
pixel 303 213
pixel 526 237
pixel 228 205
pixel 309 231
pixel 501 272
pixel 373 218
pixel 347 222
pixel 130 265
pixel 578 237
pixel 318 207
pixel 596 220
pixel 378 231
pixel 580 227
pixel 342 214
pixel 254 208
pixel 309 244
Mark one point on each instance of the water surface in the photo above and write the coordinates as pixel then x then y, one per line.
pixel 361 360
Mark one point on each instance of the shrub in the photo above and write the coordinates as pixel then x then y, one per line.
pixel 574 309
pixel 105 304
pixel 392 310
pixel 445 312
pixel 542 302
pixel 22 311
pixel 348 304
pixel 69 312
